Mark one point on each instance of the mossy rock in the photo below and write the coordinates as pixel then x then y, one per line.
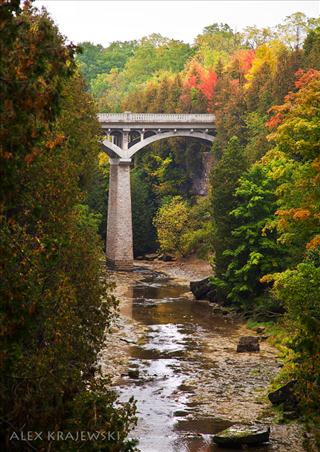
pixel 240 434
pixel 133 373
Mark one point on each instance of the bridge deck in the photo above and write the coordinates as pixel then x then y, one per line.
pixel 163 120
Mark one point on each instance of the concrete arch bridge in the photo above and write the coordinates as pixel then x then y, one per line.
pixel 124 135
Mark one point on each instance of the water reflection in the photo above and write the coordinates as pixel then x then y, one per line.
pixel 171 358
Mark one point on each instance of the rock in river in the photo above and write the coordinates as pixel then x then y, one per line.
pixel 240 434
pixel 166 258
pixel 248 344
pixel 285 395
pixel 133 373
pixel 151 256
pixel 203 289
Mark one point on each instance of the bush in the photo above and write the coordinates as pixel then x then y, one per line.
pixel 299 290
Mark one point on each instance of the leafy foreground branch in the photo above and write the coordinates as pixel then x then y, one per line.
pixel 55 303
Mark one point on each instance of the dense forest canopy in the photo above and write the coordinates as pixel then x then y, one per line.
pixel 131 66
pixel 259 225
pixel 238 76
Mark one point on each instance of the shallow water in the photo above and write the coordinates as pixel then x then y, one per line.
pixel 191 382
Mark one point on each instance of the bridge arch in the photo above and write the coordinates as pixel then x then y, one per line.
pixel 171 134
pixel 115 151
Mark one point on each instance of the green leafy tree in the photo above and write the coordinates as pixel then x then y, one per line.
pixel 254 37
pixel 216 43
pixel 256 136
pixel 95 60
pixel 198 236
pixel 171 222
pixel 299 290
pixel 224 180
pixel 255 250
pixel 155 53
pixel 89 58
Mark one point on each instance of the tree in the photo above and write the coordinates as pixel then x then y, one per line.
pixel 299 290
pixel 255 251
pixel 254 37
pixel 199 85
pixel 144 237
pixel 240 64
pixel 256 136
pixel 171 222
pixel 216 43
pixel 311 48
pixel 90 61
pixel 295 126
pixel 283 80
pixel 56 304
pixel 95 60
pixel 229 107
pixel 296 133
pixel 295 28
pixel 296 122
pixel 155 53
pixel 198 236
pixel 259 78
pixel 224 180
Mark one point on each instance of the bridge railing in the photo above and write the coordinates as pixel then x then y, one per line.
pixel 156 117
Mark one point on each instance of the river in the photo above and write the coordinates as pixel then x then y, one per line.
pixel 178 358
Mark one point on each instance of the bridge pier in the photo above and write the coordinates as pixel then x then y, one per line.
pixel 119 244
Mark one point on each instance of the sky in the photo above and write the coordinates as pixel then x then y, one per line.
pixel 104 21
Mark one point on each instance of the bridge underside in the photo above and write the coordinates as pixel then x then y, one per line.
pixel 124 135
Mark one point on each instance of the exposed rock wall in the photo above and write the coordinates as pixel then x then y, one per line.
pixel 200 185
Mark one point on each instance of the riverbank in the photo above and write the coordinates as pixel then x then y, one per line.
pixel 189 381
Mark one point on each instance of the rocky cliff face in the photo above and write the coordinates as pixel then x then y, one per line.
pixel 200 185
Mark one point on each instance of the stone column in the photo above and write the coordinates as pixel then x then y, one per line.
pixel 112 210
pixel 119 247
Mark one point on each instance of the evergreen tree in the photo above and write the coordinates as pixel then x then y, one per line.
pixel 311 48
pixel 224 180
pixel 255 251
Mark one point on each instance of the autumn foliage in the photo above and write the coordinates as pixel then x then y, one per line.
pixel 199 79
pixel 55 304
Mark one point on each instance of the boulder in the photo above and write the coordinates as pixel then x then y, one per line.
pixel 150 257
pixel 241 434
pixel 285 395
pixel 166 258
pixel 203 289
pixel 133 373
pixel 248 344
